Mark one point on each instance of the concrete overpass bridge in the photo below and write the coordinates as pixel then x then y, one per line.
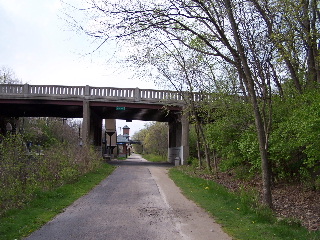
pixel 94 104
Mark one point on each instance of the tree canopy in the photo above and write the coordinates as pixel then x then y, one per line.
pixel 253 50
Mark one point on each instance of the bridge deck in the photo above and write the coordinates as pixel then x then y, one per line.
pixel 17 100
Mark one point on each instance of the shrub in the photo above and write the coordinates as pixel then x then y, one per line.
pixel 23 173
pixel 295 142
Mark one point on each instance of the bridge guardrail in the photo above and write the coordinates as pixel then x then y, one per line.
pixel 93 93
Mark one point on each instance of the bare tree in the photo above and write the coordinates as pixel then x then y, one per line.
pixel 7 76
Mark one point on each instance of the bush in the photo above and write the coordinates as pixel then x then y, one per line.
pixel 295 142
pixel 232 136
pixel 23 173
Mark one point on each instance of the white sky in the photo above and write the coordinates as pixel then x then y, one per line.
pixel 37 44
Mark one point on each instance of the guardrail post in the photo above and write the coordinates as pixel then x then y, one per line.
pixel 25 90
pixel 137 94
pixel 87 90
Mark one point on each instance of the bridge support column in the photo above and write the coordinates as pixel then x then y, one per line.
pixel 86 123
pixel 95 129
pixel 91 126
pixel 179 140
pixel 185 138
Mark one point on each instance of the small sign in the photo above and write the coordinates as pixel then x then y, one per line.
pixel 120 108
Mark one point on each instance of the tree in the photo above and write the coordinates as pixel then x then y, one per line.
pixel 224 31
pixel 185 71
pixel 7 76
pixel 155 139
pixel 140 135
pixel 293 28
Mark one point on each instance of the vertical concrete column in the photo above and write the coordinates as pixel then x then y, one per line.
pixel 86 123
pixel 95 133
pixel 171 142
pixel 178 137
pixel 91 126
pixel 172 135
pixel 174 138
pixel 185 138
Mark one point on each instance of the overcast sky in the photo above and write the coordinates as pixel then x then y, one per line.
pixel 37 44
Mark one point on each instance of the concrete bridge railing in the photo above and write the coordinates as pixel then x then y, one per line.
pixel 93 93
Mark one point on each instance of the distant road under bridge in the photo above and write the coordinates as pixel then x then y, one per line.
pixel 94 104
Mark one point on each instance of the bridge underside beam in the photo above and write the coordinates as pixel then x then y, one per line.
pixel 75 109
pixel 40 108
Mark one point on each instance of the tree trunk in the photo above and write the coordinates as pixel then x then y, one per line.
pixel 198 145
pixel 309 24
pixel 202 137
pixel 249 82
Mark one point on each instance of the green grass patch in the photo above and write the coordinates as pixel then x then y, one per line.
pixel 235 214
pixel 154 158
pixel 19 223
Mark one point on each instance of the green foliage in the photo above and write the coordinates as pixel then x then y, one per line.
pixel 138 148
pixel 17 179
pixel 249 149
pixel 197 42
pixel 45 132
pixel 238 213
pixel 18 223
pixel 154 158
pixel 23 173
pixel 295 143
pixel 233 135
pixel 193 151
pixel 154 138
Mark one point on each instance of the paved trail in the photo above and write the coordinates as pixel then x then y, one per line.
pixel 137 201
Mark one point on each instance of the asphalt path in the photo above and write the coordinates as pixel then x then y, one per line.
pixel 137 201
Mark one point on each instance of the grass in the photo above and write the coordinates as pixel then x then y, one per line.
pixel 19 223
pixel 154 158
pixel 234 213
